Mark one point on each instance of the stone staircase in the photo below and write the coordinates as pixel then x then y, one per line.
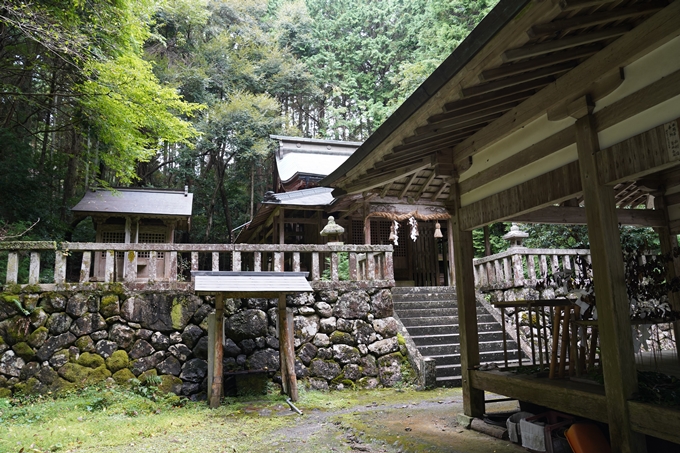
pixel 430 315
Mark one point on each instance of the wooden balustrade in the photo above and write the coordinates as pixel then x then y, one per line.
pixel 519 266
pixel 76 262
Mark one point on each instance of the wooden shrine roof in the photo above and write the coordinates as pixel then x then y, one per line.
pixel 142 202
pixel 523 66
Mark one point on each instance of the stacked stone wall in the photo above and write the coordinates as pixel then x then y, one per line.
pixel 56 341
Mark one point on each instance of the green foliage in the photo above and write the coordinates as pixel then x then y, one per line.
pixel 343 267
pixel 498 244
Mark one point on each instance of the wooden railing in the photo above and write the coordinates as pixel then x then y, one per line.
pixel 519 266
pixel 77 262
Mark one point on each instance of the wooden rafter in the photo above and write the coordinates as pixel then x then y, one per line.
pixel 386 189
pixel 408 185
pixel 496 85
pixel 376 178
pixel 455 121
pixel 571 5
pixel 424 187
pixel 402 150
pixel 534 50
pixel 473 122
pixel 557 57
pixel 599 18
pixel 439 192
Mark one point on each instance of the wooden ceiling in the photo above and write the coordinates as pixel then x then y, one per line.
pixel 415 161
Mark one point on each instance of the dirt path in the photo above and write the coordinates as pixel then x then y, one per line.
pixel 419 426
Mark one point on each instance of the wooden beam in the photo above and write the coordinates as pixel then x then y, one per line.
pixel 472 120
pixel 424 187
pixel 439 192
pixel 473 398
pixel 596 91
pixel 571 5
pixel 386 189
pixel 443 141
pixel 652 33
pixel 450 120
pixel 377 180
pixel 590 20
pixel 518 78
pixel 534 50
pixel 568 215
pixel 655 420
pixel 642 155
pixel 500 96
pixel 577 398
pixel 517 161
pixel 613 307
pixel 507 70
pixel 544 190
pixel 408 185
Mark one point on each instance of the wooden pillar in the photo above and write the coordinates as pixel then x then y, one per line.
pixel 282 235
pixel 217 327
pixel 668 243
pixel 473 399
pixel 287 350
pixel 452 268
pixel 616 342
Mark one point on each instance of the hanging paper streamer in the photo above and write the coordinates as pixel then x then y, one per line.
pixel 394 233
pixel 414 228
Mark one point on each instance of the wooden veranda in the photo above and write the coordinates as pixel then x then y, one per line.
pixel 551 112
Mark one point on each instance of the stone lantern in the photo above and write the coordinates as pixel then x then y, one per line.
pixel 515 236
pixel 333 231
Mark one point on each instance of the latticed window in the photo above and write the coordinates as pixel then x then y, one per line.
pixel 113 237
pixel 151 238
pixel 357 232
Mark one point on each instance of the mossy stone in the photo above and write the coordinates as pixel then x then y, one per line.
pixel 5 393
pixel 118 360
pixel 24 351
pixel 62 385
pixel 34 387
pixel 15 330
pixel 98 375
pixel 37 337
pixel 110 306
pixel 91 360
pixel 75 373
pixel 85 344
pixel 143 377
pixel 123 376
pixel 170 384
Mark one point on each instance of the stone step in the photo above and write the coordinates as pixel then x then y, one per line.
pixel 431 318
pixel 423 289
pixel 422 296
pixel 485 357
pixel 443 329
pixel 449 381
pixel 429 304
pixel 452 338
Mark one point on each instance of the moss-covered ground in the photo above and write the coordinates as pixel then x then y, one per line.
pixel 100 419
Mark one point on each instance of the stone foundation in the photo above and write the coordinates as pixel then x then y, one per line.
pixel 56 341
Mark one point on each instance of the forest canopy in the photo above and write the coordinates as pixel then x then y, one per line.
pixel 174 93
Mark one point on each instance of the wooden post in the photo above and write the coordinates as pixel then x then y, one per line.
pixel 217 372
pixel 452 268
pixel 613 311
pixel 473 399
pixel 668 243
pixel 286 350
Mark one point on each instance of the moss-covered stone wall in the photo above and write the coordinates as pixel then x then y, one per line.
pixel 55 341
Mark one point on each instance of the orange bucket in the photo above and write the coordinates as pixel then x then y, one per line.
pixel 587 438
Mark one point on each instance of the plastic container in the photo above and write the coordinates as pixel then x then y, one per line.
pixel 512 423
pixel 587 438
pixel 541 433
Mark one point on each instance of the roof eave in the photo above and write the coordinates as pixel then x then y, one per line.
pixel 497 18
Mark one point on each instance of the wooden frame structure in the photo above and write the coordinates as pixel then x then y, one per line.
pixel 250 284
pixel 548 106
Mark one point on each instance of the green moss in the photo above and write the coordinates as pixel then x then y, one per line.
pixel 177 312
pixel 62 386
pixel 91 360
pixel 123 376
pixel 116 288
pixel 5 393
pixel 12 288
pixel 75 373
pixel 110 305
pixel 339 337
pixel 24 351
pixel 17 329
pixel 401 340
pixel 149 373
pixel 35 288
pixel 85 344
pixel 37 337
pixel 14 300
pixel 34 387
pixel 98 375
pixel 118 361
pixel 169 383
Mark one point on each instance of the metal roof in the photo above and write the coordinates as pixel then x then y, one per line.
pixel 154 202
pixel 317 196
pixel 306 156
pixel 251 282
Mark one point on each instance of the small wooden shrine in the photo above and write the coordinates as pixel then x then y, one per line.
pixel 127 215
